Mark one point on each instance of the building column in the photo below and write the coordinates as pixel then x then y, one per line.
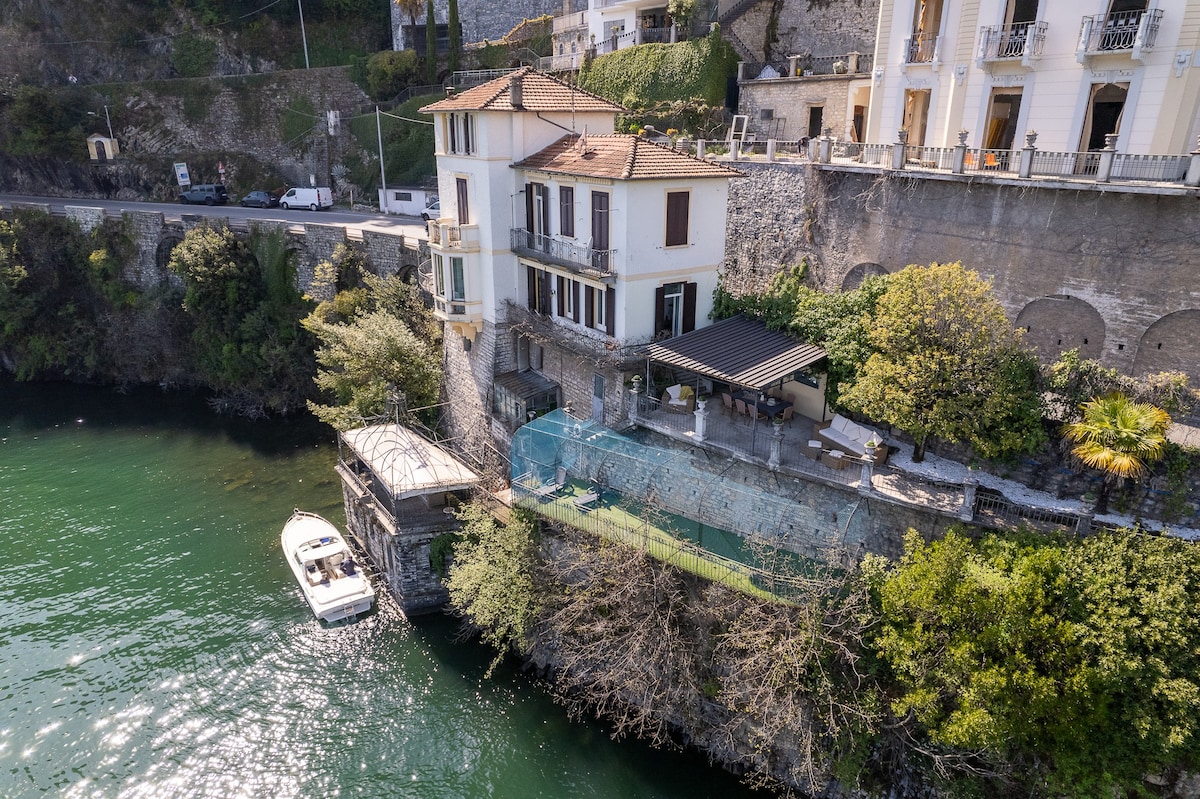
pixel 701 414
pixel 776 446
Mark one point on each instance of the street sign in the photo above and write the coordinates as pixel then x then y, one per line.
pixel 181 174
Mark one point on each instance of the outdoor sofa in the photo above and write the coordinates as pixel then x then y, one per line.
pixel 850 437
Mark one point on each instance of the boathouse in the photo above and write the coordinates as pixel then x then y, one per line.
pixel 399 492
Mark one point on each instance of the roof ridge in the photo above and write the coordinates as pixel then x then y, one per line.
pixel 630 160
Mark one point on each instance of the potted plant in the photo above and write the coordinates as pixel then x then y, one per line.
pixel 839 67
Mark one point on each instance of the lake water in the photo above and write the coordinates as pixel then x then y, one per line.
pixel 153 642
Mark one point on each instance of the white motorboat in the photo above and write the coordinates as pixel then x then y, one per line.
pixel 334 585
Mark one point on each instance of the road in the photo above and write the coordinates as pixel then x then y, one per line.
pixel 409 226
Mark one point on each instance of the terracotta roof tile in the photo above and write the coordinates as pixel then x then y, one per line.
pixel 539 92
pixel 621 156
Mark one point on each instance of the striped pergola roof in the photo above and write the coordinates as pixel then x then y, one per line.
pixel 740 351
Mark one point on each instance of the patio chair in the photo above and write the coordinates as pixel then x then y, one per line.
pixel 787 414
pixel 727 398
pixel 742 410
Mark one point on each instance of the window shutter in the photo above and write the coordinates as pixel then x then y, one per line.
pixel 689 307
pixel 677 218
pixel 464 215
pixel 544 292
pixel 661 323
pixel 531 287
pixel 566 210
pixel 544 190
pixel 562 294
pixel 610 310
pixel 589 306
pixel 575 305
pixel 529 210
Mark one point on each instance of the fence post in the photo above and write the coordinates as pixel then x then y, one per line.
pixel 1083 525
pixel 701 414
pixel 700 148
pixel 826 146
pixel 960 153
pixel 1192 178
pixel 899 148
pixel 770 150
pixel 967 511
pixel 1107 156
pixel 1026 168
pixel 634 393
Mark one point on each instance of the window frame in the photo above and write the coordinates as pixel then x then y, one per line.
pixel 678 218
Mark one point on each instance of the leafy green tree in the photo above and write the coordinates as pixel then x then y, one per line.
pixel 391 71
pixel 491 578
pixel 361 361
pixel 1118 437
pixel 245 309
pixel 682 12
pixel 1068 669
pixel 946 362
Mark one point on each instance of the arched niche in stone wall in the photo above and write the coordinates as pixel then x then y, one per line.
pixel 1059 323
pixel 162 254
pixel 407 273
pixel 1172 344
pixel 860 272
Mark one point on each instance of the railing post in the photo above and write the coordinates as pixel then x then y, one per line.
pixel 633 398
pixel 701 414
pixel 770 149
pixel 852 62
pixel 793 61
pixel 741 73
pixel 1192 178
pixel 1026 168
pixel 967 511
pixel 825 148
pixel 960 153
pixel 899 148
pixel 700 148
pixel 1107 156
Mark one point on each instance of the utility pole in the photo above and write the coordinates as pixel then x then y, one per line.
pixel 382 175
pixel 303 37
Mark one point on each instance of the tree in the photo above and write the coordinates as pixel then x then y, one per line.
pixel 946 362
pixel 1118 437
pixel 242 299
pixel 412 8
pixel 361 361
pixel 491 578
pixel 1067 668
pixel 681 12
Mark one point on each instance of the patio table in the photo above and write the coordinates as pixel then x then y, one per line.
pixel 751 398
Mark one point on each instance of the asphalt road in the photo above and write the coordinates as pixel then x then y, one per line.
pixel 410 226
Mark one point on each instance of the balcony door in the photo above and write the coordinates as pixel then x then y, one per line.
pixel 1002 119
pixel 916 115
pixel 927 23
pixel 1106 106
pixel 537 215
pixel 1020 12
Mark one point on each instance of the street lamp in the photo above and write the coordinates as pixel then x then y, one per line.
pixel 106 119
pixel 303 37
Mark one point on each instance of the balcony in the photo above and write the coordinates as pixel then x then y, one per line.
pixel 921 48
pixel 551 250
pixel 1123 31
pixel 1022 41
pixel 445 235
pixel 465 317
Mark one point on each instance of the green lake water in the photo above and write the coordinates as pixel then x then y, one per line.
pixel 153 642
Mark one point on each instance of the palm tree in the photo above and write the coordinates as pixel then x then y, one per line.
pixel 1118 437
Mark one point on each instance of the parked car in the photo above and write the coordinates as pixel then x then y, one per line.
pixel 260 199
pixel 433 210
pixel 207 193
pixel 312 199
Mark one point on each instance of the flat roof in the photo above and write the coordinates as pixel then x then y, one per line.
pixel 408 464
pixel 738 350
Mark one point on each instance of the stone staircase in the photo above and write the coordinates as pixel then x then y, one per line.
pixel 726 20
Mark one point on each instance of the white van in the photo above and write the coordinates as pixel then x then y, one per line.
pixel 312 199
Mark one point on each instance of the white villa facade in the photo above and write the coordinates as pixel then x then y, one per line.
pixel 1072 72
pixel 561 248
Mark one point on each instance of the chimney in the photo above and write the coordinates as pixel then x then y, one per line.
pixel 514 91
pixel 449 91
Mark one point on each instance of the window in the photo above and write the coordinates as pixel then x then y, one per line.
pixel 566 211
pixel 458 282
pixel 464 215
pixel 600 222
pixel 438 276
pixel 402 196
pixel 675 309
pixel 461 133
pixel 677 218
pixel 537 215
pixel 537 290
pixel 599 309
pixel 568 305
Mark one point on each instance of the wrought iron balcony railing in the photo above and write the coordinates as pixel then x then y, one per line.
pixel 920 48
pixel 1023 40
pixel 563 253
pixel 1122 30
